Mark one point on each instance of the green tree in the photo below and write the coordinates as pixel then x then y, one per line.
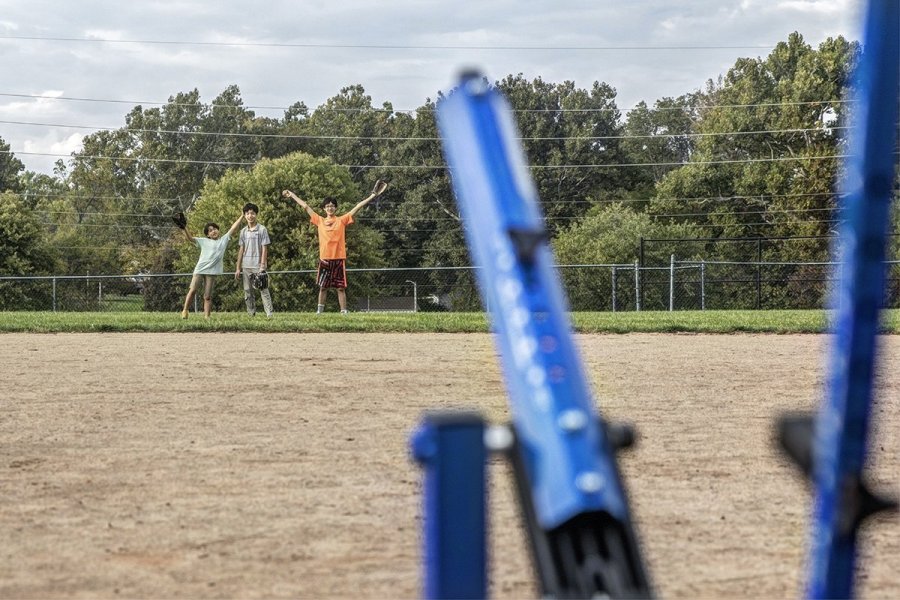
pixel 564 128
pixel 610 235
pixel 349 130
pixel 23 252
pixel 659 136
pixel 765 165
pixel 10 167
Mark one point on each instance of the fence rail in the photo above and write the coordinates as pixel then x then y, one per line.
pixel 682 285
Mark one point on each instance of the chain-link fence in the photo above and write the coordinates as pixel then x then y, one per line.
pixel 683 285
pixel 432 289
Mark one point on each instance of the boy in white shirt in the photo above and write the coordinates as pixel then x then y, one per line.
pixel 253 256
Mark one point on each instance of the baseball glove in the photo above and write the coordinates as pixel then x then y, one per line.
pixel 259 281
pixel 180 220
pixel 379 188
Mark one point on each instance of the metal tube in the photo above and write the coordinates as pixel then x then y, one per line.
pixel 672 283
pixel 637 286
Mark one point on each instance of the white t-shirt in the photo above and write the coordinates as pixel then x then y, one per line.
pixel 211 254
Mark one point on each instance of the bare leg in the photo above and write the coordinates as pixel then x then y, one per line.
pixel 195 281
pixel 322 293
pixel 342 299
pixel 207 295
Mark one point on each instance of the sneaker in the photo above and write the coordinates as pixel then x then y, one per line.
pixel 184 314
pixel 344 312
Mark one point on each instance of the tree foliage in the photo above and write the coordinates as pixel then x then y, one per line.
pixel 24 251
pixel 766 163
pixel 10 167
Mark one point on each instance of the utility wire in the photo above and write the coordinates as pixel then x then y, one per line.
pixel 417 138
pixel 756 197
pixel 226 163
pixel 423 110
pixel 93 40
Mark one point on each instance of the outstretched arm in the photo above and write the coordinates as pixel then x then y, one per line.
pixel 303 205
pixel 360 206
pixel 187 235
pixel 235 225
pixel 380 186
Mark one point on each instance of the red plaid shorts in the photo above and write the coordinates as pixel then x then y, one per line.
pixel 332 274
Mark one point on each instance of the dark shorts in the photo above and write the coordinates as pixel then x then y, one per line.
pixel 332 274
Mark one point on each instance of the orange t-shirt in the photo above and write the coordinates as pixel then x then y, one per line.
pixel 332 242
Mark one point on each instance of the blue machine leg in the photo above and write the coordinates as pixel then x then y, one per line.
pixel 564 459
pixel 450 447
pixel 831 449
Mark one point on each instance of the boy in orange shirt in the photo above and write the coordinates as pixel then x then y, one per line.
pixel 332 271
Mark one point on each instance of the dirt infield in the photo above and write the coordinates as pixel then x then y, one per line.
pixel 276 465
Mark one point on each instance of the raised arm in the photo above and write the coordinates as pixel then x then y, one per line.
pixel 380 186
pixel 303 205
pixel 235 225
pixel 181 223
pixel 360 206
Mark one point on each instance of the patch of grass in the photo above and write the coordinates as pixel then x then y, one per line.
pixel 738 321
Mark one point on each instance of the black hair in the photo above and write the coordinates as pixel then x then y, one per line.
pixel 329 200
pixel 251 206
pixel 209 226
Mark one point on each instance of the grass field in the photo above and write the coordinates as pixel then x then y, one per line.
pixel 777 321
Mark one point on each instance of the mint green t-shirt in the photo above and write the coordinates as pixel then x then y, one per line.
pixel 211 254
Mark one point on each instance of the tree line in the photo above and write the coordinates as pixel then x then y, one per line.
pixel 752 155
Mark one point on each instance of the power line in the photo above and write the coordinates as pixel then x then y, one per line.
pixel 787 211
pixel 422 110
pixel 372 46
pixel 416 138
pixel 226 163
pixel 156 199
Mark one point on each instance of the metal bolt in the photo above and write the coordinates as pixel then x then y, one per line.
pixel 572 420
pixel 498 438
pixel 589 482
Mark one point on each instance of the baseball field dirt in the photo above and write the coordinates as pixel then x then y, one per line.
pixel 207 465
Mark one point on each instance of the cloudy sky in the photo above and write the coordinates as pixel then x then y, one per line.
pixel 67 67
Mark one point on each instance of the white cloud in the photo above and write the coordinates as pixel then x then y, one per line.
pixel 827 8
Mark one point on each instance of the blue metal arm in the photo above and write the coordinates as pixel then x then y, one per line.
pixel 832 449
pixel 566 457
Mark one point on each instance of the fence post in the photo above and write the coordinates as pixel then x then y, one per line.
pixel 703 284
pixel 637 286
pixel 614 271
pixel 54 294
pixel 99 293
pixel 758 273
pixel 640 274
pixel 672 283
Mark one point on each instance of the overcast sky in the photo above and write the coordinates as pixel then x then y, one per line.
pixel 283 51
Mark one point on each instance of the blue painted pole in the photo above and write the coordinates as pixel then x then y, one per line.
pixel 840 436
pixel 450 447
